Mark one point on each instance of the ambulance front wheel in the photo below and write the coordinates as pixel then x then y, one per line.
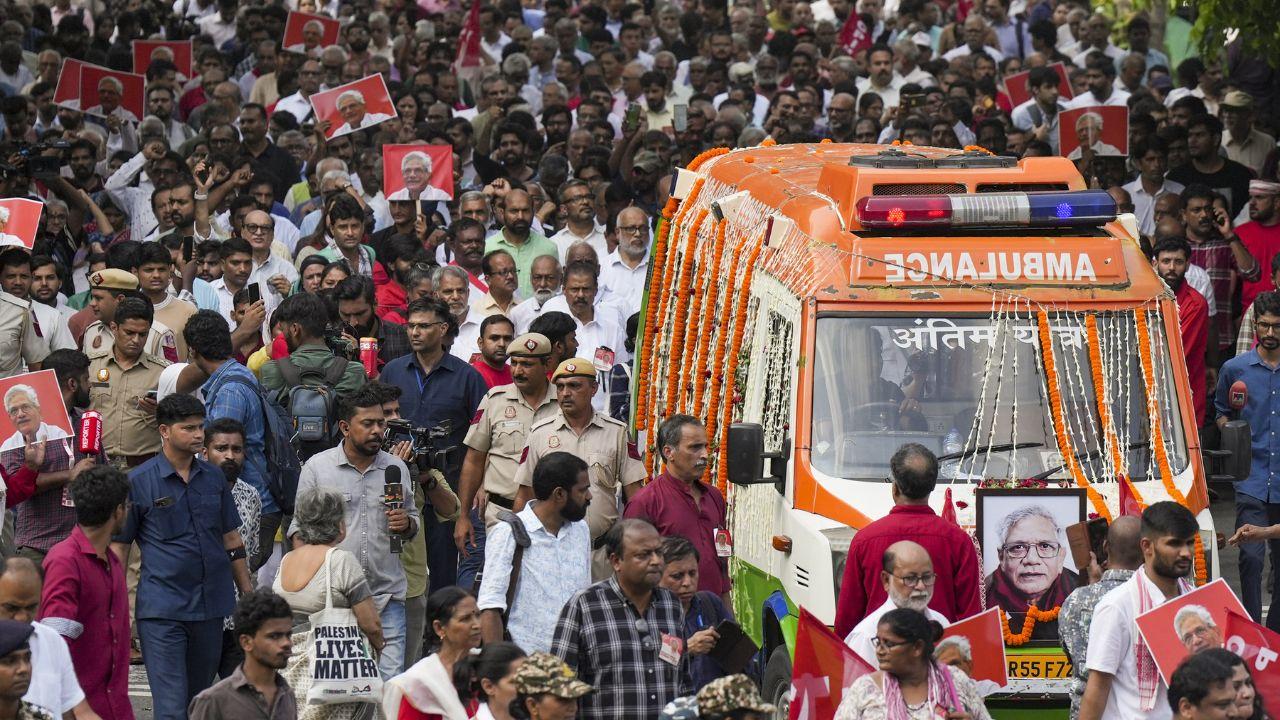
pixel 777 682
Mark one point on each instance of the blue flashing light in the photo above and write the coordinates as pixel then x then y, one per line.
pixel 1071 208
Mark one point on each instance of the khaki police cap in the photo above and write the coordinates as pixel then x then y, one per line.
pixel 533 345
pixel 112 279
pixel 574 367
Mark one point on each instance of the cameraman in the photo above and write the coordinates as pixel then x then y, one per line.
pixel 444 504
pixel 302 319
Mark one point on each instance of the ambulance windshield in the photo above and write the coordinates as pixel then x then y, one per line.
pixel 973 390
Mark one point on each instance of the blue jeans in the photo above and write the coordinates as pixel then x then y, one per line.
pixel 391 663
pixel 469 567
pixel 1252 511
pixel 181 659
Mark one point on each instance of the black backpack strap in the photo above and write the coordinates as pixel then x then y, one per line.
pixel 333 374
pixel 521 535
pixel 1018 25
pixel 289 371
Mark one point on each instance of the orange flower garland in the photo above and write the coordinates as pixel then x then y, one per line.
pixel 1146 360
pixel 722 344
pixel 1034 615
pixel 689 340
pixel 682 294
pixel 1059 426
pixel 735 349
pixel 708 320
pixel 1104 408
pixel 705 156
pixel 650 329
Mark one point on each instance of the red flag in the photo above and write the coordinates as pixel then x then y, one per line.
pixel 963 8
pixel 949 509
pixel 469 40
pixel 824 668
pixel 1129 504
pixel 855 35
pixel 1260 649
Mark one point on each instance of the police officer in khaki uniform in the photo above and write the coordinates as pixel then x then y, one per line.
pixel 106 289
pixel 598 439
pixel 499 430
pixel 21 340
pixel 119 383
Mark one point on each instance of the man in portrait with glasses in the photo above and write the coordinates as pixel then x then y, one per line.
pixel 1031 571
pixel 909 580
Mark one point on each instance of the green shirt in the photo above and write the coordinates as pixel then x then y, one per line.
pixel 414 556
pixel 311 360
pixel 524 254
pixel 79 300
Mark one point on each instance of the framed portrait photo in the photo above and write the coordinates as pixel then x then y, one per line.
pixel 1026 559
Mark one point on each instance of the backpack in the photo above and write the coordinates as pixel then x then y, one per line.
pixel 311 406
pixel 284 467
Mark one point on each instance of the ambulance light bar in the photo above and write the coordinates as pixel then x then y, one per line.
pixel 1057 209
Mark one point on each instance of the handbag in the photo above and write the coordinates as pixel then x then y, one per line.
pixel 342 666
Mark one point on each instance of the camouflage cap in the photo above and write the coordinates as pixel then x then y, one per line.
pixel 534 345
pixel 546 673
pixel 726 694
pixel 682 708
pixel 574 367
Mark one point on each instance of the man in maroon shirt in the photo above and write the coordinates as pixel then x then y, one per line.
pixel 84 597
pixel 955 559
pixel 1172 256
pixel 496 333
pixel 679 503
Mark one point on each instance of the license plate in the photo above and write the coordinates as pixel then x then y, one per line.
pixel 1047 667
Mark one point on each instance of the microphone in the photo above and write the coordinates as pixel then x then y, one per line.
pixel 1238 395
pixel 393 498
pixel 89 433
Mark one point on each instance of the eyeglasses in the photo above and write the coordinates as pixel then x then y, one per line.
pixel 1044 549
pixel 646 638
pixel 259 229
pixel 424 326
pixel 1266 328
pixel 878 642
pixel 1200 633
pixel 632 229
pixel 926 579
pixel 508 273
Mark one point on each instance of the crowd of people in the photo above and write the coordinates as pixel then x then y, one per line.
pixel 458 365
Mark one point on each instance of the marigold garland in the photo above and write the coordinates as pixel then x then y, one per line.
pixel 722 342
pixel 705 156
pixel 1118 459
pixel 1034 615
pixel 708 320
pixel 658 313
pixel 1059 426
pixel 735 345
pixel 1145 359
pixel 650 331
pixel 682 293
pixel 689 339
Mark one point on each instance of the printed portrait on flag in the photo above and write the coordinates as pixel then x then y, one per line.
pixel 33 410
pixel 308 34
pixel 1025 556
pixel 19 221
pixel 976 646
pixel 1104 129
pixel 1187 624
pixel 354 106
pixel 417 172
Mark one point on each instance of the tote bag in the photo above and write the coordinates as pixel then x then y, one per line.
pixel 343 668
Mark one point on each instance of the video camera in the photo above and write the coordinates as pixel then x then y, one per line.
pixel 337 344
pixel 36 164
pixel 427 444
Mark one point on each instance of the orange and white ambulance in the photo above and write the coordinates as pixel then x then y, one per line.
pixel 820 305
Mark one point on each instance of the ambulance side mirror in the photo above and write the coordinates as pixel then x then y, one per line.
pixel 745 455
pixel 1237 444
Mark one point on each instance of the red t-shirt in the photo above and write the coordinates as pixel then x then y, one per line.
pixel 955 560
pixel 1193 321
pixel 493 377
pixel 1263 243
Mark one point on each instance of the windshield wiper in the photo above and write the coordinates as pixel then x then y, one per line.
pixel 993 448
pixel 1088 456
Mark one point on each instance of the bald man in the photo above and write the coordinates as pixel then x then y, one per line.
pixel 907 574
pixel 53 677
pixel 1122 555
